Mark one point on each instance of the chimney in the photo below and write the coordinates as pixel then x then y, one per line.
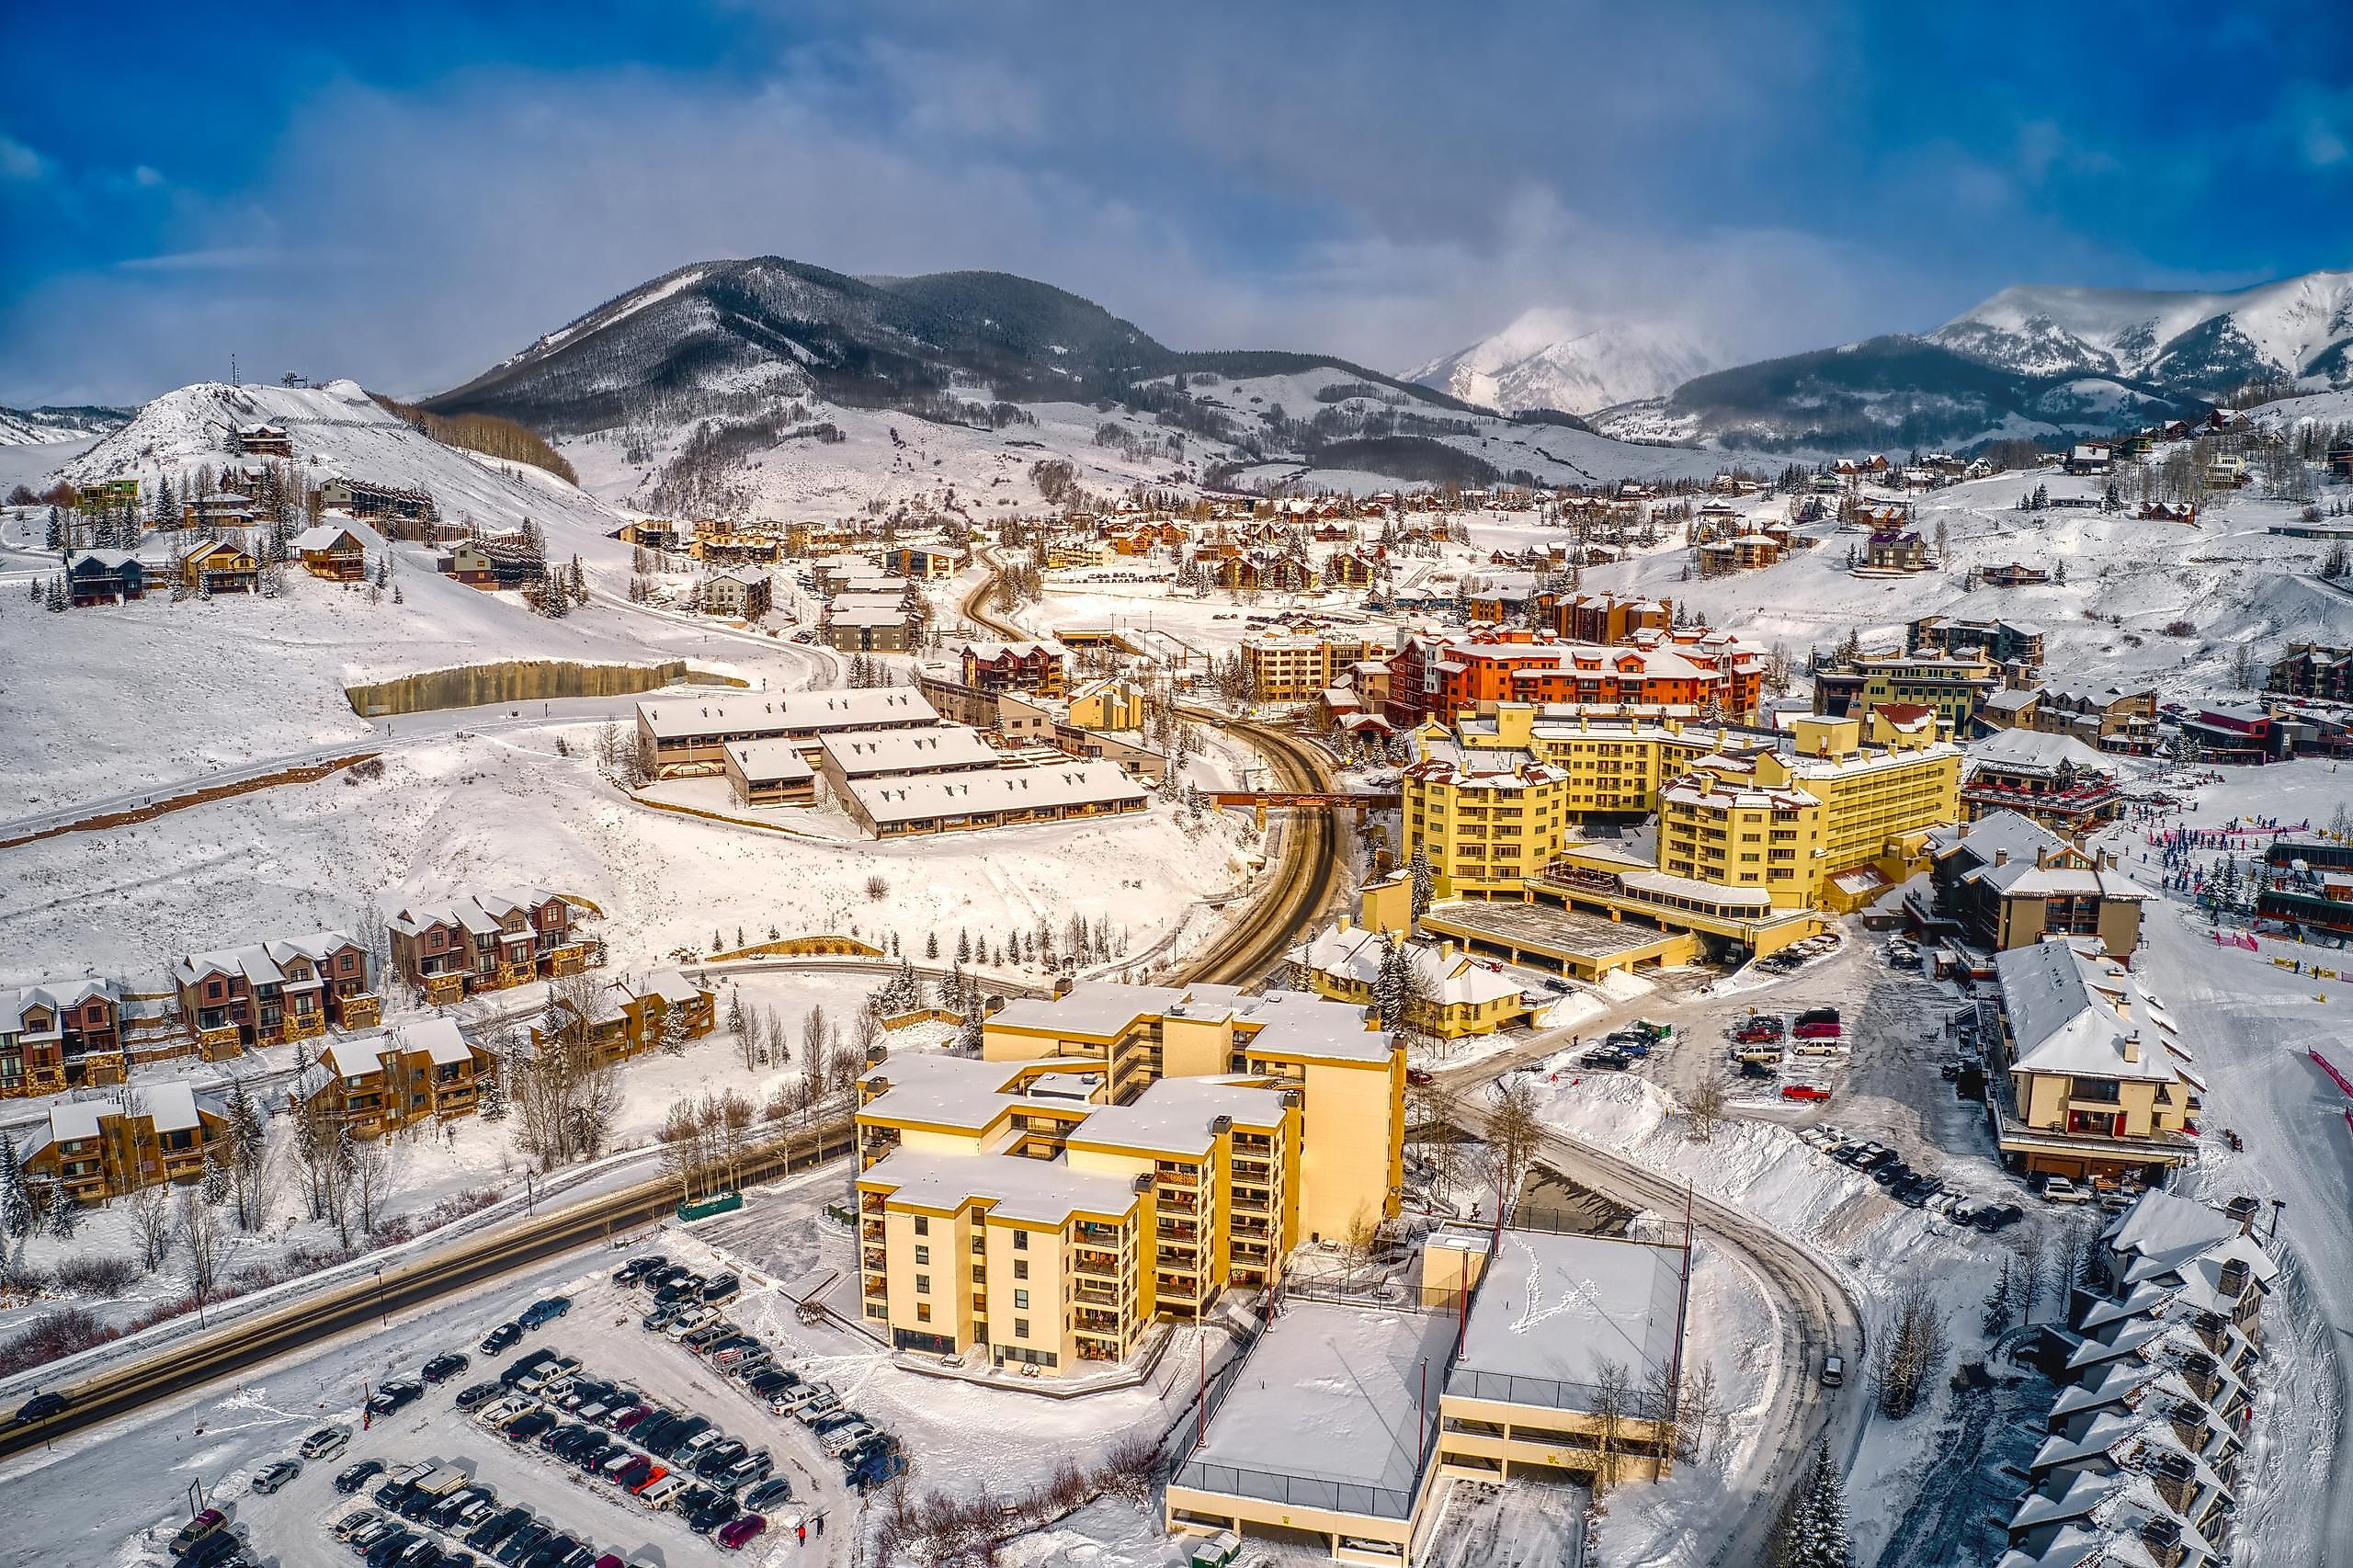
pixel 2001 857
pixel 2174 1474
pixel 2161 1536
pixel 2233 1279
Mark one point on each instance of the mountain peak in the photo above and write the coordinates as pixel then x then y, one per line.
pixel 1551 357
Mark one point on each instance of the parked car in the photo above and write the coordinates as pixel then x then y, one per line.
pixel 474 1395
pixel 502 1338
pixel 196 1529
pixel 275 1475
pixel 637 1268
pixel 441 1369
pixel 720 1289
pixel 1419 1077
pixel 767 1494
pixel 2059 1190
pixel 326 1442
pixel 547 1310
pixel 1834 1372
pixel 353 1477
pixel 736 1533
pixel 351 1524
pixel 1804 1092
pixel 390 1397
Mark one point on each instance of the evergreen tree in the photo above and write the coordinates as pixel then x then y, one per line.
pixel 489 1100
pixel 931 946
pixel 16 1202
pixel 56 527
pixel 55 600
pixel 964 949
pixel 577 582
pixel 1424 881
pixel 64 1212
pixel 1813 1531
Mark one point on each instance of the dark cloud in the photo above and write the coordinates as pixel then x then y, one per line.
pixel 1385 182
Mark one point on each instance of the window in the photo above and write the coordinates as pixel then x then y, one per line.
pixel 923 1311
pixel 979 1245
pixel 922 1226
pixel 923 1284
pixel 1021 1240
pixel 980 1274
pixel 1021 1299
pixel 1020 1328
pixel 1021 1268
pixel 922 1254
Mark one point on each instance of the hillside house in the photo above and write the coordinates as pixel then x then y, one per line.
pixel 470 564
pixel 370 501
pixel 2004 642
pixel 262 440
pixel 634 1017
pixel 2310 670
pixel 219 566
pixel 920 562
pixel 2013 575
pixel 2091 458
pixel 1113 702
pixel 1893 550
pixel 488 942
pixel 868 629
pixel 743 592
pixel 273 992
pixel 420 1072
pixel 2094 1082
pixel 2158 512
pixel 221 509
pixel 1034 667
pixel 104 577
pixel 334 553
pixel 2011 882
pixel 50 1034
pixel 103 1149
pixel 2113 718
pixel 1454 994
pixel 902 805
pixel 2226 472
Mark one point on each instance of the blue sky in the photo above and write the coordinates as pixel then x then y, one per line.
pixel 405 195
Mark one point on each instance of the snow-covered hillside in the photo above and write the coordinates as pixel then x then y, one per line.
pixel 2297 326
pixel 1558 358
pixel 338 429
pixel 43 426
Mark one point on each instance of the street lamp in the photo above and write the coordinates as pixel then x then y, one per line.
pixel 381 1316
pixel 2277 1205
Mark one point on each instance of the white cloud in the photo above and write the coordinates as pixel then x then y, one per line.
pixel 20 162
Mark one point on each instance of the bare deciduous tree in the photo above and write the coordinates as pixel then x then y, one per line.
pixel 150 1209
pixel 1706 1109
pixel 203 1238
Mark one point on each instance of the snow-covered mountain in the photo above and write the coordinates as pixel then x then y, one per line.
pixel 2298 327
pixel 42 426
pixel 1558 358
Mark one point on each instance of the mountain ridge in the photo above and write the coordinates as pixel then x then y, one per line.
pixel 1548 357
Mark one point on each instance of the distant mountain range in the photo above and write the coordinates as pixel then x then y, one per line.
pixel 1559 359
pixel 727 338
pixel 39 426
pixel 2035 362
pixel 2299 329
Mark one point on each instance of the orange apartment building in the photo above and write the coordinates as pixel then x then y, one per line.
pixel 1441 678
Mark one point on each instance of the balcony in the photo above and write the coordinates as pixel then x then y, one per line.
pixel 1095 1265
pixel 1095 1295
pixel 870 1231
pixel 873 1262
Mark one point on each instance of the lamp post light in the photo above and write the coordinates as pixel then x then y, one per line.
pixel 381 1315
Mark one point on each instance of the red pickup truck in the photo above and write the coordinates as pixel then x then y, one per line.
pixel 1803 1092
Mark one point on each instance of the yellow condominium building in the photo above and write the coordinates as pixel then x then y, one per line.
pixel 1051 1199
pixel 1296 667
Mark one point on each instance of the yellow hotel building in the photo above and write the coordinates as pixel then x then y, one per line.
pixel 1117 1154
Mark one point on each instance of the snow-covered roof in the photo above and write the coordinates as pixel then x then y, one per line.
pixel 787 713
pixel 770 759
pixel 1553 1308
pixel 841 614
pixel 1045 1192
pixel 1450 979
pixel 901 797
pixel 323 537
pixel 2058 998
pixel 863 753
pixel 1175 1116
pixel 2035 752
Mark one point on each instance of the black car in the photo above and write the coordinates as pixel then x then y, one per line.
pixel 42 1406
pixel 637 1268
pixel 416 1506
pixel 392 1546
pixel 441 1369
pixel 553 1550
pixel 495 1528
pixel 594 1452
pixel 718 1456
pixel 390 1397
pixel 524 1541
pixel 720 1289
pixel 502 1338
pixel 1998 1217
pixel 769 1380
pixel 351 1478
pixel 528 1425
pixel 478 1394
pixel 712 1515
pixel 212 1551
